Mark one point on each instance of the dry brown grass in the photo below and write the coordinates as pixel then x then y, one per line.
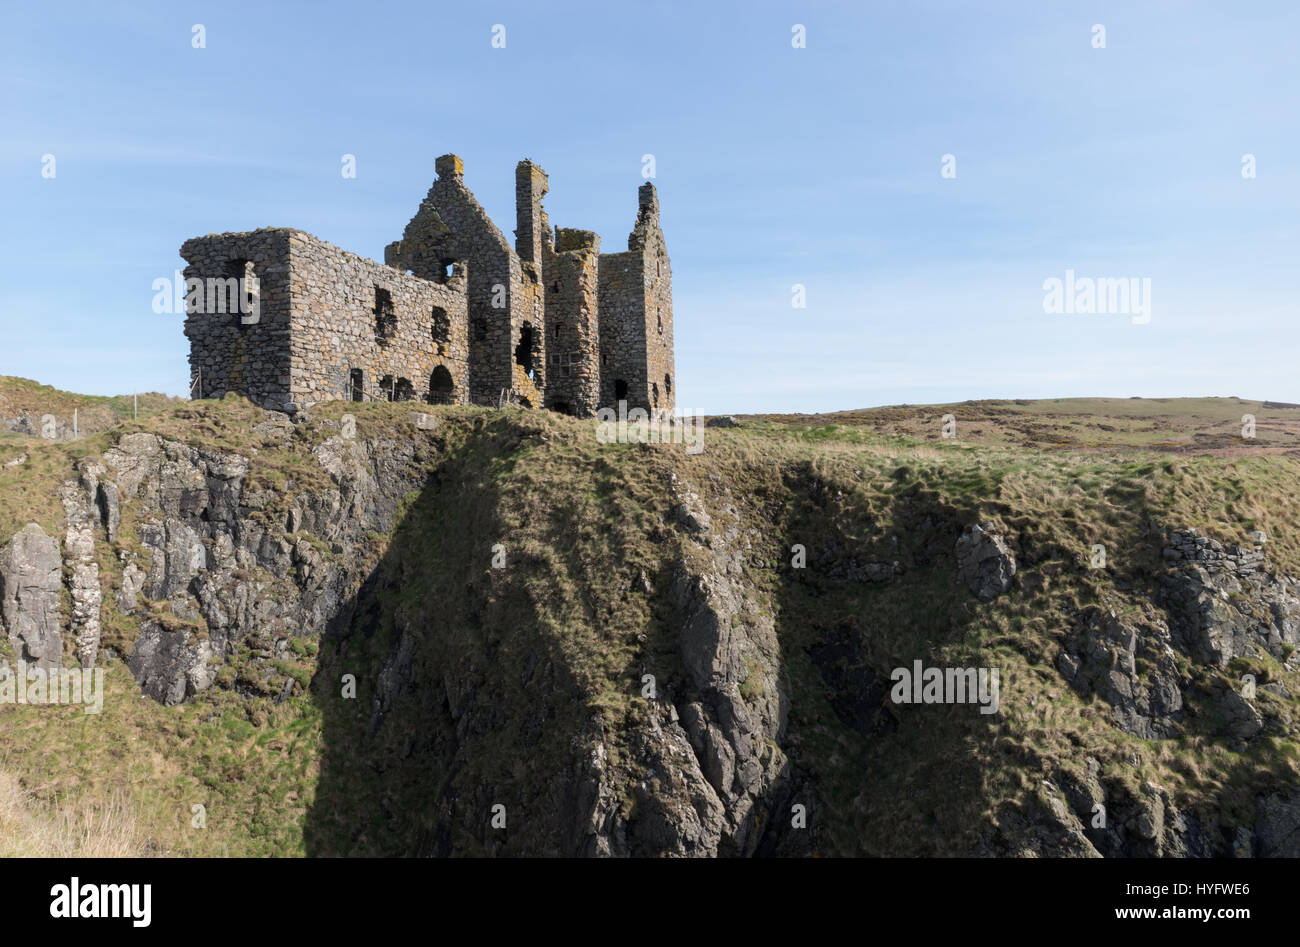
pixel 33 828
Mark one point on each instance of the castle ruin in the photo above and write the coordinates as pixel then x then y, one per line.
pixel 454 314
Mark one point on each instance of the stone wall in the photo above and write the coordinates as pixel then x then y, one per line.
pixel 332 325
pixel 528 334
pixel 622 330
pixel 452 226
pixel 531 227
pixel 657 282
pixel 573 325
pixel 227 352
pixel 343 323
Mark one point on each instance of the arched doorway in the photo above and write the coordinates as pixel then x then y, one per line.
pixel 442 390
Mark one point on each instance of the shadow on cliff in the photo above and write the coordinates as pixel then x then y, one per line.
pixel 879 592
pixel 458 700
pixel 415 719
pixel 488 650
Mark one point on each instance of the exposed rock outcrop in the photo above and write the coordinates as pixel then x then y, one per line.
pixel 32 425
pixel 1102 656
pixel 30 582
pixel 1277 829
pixel 83 570
pixel 221 564
pixel 716 777
pixel 737 716
pixel 724 420
pixel 984 561
pixel 169 666
pixel 1224 603
pixel 1084 815
pixel 1221 605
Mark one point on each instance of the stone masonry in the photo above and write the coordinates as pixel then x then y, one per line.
pixel 454 315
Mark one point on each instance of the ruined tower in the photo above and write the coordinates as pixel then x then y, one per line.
pixel 636 316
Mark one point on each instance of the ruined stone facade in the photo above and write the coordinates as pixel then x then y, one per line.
pixel 453 315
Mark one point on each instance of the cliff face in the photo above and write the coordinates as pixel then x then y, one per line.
pixel 236 565
pixel 507 638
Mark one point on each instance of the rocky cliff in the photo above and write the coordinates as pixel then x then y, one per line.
pixel 511 639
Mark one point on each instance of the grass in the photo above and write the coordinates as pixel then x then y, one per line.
pixel 94 412
pixel 32 827
pixel 1073 424
pixel 251 769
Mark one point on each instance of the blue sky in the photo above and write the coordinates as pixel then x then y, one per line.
pixel 776 166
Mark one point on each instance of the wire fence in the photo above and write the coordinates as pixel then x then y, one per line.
pixel 392 391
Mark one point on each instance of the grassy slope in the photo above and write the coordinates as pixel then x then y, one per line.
pixel 1178 424
pixel 586 519
pixel 94 412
